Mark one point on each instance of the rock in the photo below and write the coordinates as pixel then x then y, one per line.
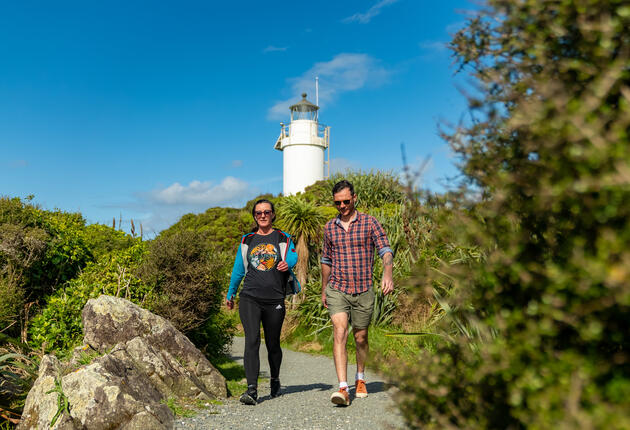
pixel 41 405
pixel 110 321
pixel 138 361
pixel 105 394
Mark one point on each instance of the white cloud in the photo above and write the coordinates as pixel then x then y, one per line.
pixel 345 72
pixel 272 48
pixel 366 17
pixel 162 207
pixel 434 46
pixel 199 193
pixel 237 163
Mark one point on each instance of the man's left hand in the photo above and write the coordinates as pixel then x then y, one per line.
pixel 283 266
pixel 387 284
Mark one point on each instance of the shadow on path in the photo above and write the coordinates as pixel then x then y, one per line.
pixel 293 389
pixel 310 387
pixel 375 387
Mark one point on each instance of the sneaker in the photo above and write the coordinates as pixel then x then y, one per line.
pixel 275 388
pixel 341 397
pixel 359 388
pixel 250 396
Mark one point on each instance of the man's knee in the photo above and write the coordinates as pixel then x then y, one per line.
pixel 340 327
pixel 361 337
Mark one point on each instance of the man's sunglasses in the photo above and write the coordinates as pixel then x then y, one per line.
pixel 258 214
pixel 339 202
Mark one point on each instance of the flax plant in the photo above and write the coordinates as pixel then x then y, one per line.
pixel 304 221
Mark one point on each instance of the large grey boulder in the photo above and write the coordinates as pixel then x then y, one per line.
pixel 142 361
pixel 112 323
pixel 104 394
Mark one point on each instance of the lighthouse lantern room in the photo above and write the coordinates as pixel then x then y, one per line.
pixel 303 143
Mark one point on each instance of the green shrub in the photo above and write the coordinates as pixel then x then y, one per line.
pixel 188 281
pixel 214 336
pixel 11 303
pixel 39 251
pixel 218 228
pixel 58 327
pixel 102 240
pixel 374 189
pixel 543 319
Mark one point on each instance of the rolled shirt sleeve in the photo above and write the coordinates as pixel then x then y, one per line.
pixel 380 239
pixel 327 250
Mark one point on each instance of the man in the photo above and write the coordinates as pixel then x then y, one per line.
pixel 349 243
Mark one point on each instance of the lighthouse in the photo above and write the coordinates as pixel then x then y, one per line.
pixel 303 143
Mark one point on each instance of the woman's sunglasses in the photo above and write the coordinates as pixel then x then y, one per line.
pixel 258 214
pixel 339 202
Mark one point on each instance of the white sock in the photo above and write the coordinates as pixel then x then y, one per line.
pixel 360 375
pixel 343 385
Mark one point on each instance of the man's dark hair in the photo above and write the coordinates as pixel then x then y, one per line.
pixel 342 185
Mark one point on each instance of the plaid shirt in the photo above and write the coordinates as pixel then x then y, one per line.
pixel 351 253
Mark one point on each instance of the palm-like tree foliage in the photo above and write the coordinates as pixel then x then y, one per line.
pixel 304 220
pixel 374 189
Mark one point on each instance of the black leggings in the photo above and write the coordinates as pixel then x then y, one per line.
pixel 252 313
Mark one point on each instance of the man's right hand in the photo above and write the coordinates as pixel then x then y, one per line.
pixel 229 304
pixel 324 299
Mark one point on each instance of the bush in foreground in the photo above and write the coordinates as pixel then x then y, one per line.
pixel 543 320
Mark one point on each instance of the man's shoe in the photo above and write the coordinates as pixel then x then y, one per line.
pixel 359 388
pixel 250 396
pixel 275 388
pixel 341 397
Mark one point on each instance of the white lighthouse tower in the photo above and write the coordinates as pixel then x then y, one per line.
pixel 303 143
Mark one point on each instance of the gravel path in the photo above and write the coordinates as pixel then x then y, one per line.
pixel 307 382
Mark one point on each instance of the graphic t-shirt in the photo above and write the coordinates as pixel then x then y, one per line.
pixel 262 280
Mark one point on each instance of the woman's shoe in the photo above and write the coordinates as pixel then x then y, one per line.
pixel 275 387
pixel 250 397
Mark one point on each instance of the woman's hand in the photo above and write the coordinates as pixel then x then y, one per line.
pixel 283 266
pixel 229 304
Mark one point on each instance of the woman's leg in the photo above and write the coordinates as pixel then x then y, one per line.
pixel 272 319
pixel 250 313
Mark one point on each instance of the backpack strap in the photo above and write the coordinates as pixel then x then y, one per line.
pixel 288 238
pixel 245 241
pixel 247 238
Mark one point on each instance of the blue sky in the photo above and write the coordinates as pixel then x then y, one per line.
pixel 152 109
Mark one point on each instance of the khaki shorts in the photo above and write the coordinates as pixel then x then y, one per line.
pixel 359 307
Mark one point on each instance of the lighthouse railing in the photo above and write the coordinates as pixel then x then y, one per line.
pixel 321 130
pixel 285 130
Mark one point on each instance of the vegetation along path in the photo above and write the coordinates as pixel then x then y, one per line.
pixel 307 382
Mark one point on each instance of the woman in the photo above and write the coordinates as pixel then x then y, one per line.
pixel 264 258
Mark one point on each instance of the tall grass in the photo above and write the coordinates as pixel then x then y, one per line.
pixel 18 372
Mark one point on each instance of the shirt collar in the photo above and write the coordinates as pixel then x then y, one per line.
pixel 356 218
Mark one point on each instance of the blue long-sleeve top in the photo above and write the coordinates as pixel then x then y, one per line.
pixel 239 269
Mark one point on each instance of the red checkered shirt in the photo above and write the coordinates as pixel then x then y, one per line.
pixel 351 253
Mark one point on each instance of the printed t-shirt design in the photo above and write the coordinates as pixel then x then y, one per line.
pixel 263 256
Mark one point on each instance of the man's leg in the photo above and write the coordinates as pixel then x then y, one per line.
pixel 361 341
pixel 338 308
pixel 361 314
pixel 340 354
pixel 340 340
